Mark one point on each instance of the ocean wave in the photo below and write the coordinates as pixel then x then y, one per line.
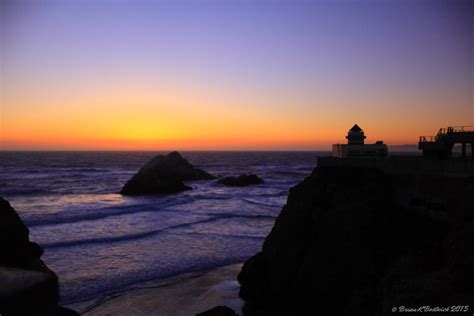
pixel 250 216
pixel 277 194
pixel 290 173
pixel 236 236
pixel 210 196
pixel 266 204
pixel 128 237
pixel 21 191
pixel 16 171
pixel 70 243
pixel 89 170
pixel 62 170
pixel 126 284
pixel 74 216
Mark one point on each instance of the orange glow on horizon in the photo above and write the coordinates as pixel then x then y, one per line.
pixel 142 118
pixel 169 138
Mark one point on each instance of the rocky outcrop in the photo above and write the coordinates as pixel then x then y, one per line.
pixel 355 241
pixel 28 286
pixel 164 175
pixel 240 181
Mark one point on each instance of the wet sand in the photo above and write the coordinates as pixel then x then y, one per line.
pixel 178 296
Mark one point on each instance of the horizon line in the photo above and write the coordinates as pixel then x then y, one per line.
pixel 185 150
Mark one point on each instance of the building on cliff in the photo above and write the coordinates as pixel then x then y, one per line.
pixel 440 147
pixel 355 147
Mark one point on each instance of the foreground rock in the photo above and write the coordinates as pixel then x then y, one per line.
pixel 164 175
pixel 360 242
pixel 240 181
pixel 28 286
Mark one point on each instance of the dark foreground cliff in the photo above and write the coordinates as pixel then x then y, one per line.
pixel 354 241
pixel 27 285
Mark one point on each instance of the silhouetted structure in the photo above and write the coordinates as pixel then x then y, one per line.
pixel 355 136
pixel 441 145
pixel 437 151
pixel 355 147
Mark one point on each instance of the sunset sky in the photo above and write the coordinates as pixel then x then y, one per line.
pixel 224 75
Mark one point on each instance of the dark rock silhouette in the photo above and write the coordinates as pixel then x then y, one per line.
pixel 354 241
pixel 240 181
pixel 28 286
pixel 164 175
pixel 218 311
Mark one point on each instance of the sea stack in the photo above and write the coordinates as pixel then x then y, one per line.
pixel 164 175
pixel 360 241
pixel 240 181
pixel 28 286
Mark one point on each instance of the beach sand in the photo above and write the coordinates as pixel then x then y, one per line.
pixel 186 294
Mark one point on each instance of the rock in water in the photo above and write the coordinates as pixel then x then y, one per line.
pixel 27 285
pixel 164 175
pixel 355 241
pixel 240 181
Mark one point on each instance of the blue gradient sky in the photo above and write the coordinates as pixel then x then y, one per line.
pixel 231 74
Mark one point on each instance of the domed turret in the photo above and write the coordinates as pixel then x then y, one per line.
pixel 355 136
pixel 355 147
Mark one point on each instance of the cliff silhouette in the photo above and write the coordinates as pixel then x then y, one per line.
pixel 358 241
pixel 27 285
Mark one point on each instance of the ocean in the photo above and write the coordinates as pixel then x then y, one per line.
pixel 99 242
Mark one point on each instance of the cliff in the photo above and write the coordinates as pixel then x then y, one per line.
pixel 357 241
pixel 27 285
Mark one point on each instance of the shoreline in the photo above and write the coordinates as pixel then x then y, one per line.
pixel 184 294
